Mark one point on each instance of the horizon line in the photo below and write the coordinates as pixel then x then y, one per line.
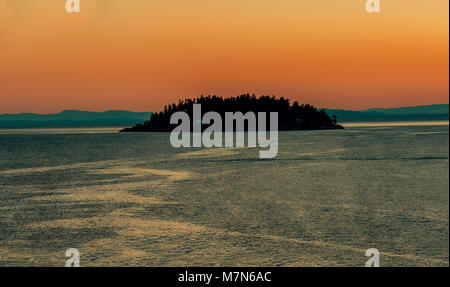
pixel 120 110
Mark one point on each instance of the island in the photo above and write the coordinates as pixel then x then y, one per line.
pixel 293 116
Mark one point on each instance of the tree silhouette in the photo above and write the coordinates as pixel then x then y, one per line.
pixel 290 117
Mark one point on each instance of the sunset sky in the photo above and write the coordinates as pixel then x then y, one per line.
pixel 141 54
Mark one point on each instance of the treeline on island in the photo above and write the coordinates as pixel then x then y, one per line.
pixel 293 116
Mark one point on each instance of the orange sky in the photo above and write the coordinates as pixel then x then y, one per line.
pixel 141 54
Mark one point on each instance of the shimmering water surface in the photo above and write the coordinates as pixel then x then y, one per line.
pixel 133 200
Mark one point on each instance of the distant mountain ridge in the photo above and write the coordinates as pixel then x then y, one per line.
pixel 118 118
pixel 73 118
pixel 416 113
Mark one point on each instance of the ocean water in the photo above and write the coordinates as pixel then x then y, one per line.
pixel 133 200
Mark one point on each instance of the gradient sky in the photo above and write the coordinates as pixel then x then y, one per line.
pixel 141 54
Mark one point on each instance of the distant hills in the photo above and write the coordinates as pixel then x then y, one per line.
pixel 418 113
pixel 74 118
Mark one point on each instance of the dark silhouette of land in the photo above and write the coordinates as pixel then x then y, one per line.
pixel 402 114
pixel 73 118
pixel 290 116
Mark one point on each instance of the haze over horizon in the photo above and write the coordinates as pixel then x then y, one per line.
pixel 146 111
pixel 140 55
